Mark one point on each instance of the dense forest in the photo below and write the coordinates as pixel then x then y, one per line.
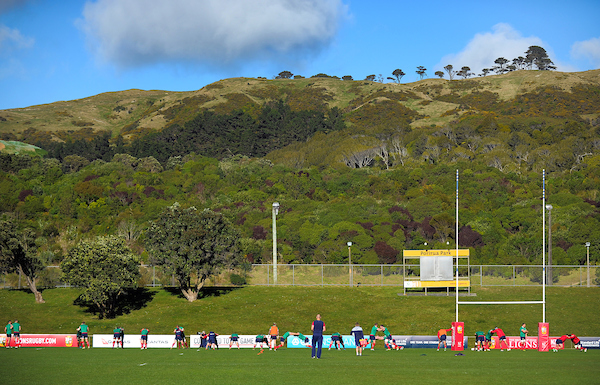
pixel 377 169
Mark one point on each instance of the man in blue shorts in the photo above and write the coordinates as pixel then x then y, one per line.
pixel 357 332
pixel 317 327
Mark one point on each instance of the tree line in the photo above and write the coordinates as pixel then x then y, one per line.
pixel 535 57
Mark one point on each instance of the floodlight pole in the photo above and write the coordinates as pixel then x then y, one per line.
pixel 587 245
pixel 275 212
pixel 350 262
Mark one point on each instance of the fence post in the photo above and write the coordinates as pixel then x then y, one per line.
pixel 481 275
pixel 322 282
pixel 381 275
pixel 514 278
pixel 293 275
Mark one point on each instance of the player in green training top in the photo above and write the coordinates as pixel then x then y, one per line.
pixel 84 329
pixel 479 341
pixel 388 340
pixel 336 341
pixel 116 336
pixel 260 339
pixel 488 340
pixel 17 333
pixel 144 339
pixel 283 339
pixel 234 339
pixel 373 335
pixel 523 334
pixel 8 329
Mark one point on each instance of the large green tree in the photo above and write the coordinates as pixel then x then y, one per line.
pixel 538 56
pixel 193 245
pixel 18 254
pixel 105 267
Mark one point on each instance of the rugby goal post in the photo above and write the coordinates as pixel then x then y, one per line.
pixel 543 327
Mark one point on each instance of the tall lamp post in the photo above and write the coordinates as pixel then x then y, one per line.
pixel 350 262
pixel 587 245
pixel 549 280
pixel 275 212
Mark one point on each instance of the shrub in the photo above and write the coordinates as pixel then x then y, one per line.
pixel 237 280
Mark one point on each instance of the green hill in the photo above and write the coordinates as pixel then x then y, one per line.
pixel 349 161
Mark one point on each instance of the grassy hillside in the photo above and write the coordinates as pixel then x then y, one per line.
pixel 114 111
pixel 250 310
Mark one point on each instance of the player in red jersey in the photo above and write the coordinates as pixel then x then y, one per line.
pixel 577 342
pixel 502 337
pixel 560 342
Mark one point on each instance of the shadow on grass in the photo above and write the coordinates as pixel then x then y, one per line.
pixel 132 299
pixel 213 291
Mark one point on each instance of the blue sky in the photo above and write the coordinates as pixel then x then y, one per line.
pixel 69 49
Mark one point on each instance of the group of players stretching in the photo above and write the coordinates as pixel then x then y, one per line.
pixel 576 343
pixel 337 340
pixel 484 340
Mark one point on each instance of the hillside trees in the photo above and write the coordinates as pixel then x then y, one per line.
pixel 284 75
pixel 450 70
pixel 105 267
pixel 500 68
pixel 538 56
pixel 18 253
pixel 398 74
pixel 193 246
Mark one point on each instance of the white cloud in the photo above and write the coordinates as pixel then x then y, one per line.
pixel 11 39
pixel 504 41
pixel 588 49
pixel 217 32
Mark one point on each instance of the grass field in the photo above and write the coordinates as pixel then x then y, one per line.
pixel 294 366
pixel 251 310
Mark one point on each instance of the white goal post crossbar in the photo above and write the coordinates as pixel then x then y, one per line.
pixel 500 302
pixel 543 300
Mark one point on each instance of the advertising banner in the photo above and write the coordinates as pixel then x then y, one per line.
pixel 295 342
pixel 590 342
pixel 544 337
pixel 458 336
pixel 513 342
pixel 44 341
pixel 133 341
pixel 245 341
pixel 404 341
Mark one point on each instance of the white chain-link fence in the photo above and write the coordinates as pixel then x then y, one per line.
pixel 345 275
